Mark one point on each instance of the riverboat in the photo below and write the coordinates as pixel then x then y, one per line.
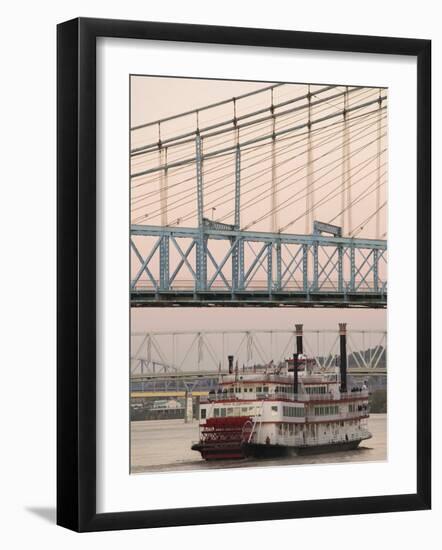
pixel 275 410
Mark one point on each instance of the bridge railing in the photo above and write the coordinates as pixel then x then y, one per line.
pixel 188 285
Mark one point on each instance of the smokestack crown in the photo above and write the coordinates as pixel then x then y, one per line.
pixel 230 358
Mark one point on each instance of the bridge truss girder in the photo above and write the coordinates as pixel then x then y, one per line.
pixel 225 266
pixel 192 355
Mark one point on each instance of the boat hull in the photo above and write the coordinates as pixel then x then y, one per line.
pixel 275 451
pixel 256 450
pixel 212 452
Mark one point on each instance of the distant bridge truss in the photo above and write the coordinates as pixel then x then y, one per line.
pixel 192 360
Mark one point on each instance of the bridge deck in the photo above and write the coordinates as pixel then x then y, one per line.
pixel 148 297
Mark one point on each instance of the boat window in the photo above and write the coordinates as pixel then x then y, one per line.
pixel 230 411
pixel 292 411
pixel 231 390
pixel 216 412
pixel 203 414
pixel 238 389
pixel 259 389
pixel 223 412
pixel 274 408
pixel 316 389
pixel 265 389
pixel 324 411
pixel 236 411
pixel 245 390
pixel 244 410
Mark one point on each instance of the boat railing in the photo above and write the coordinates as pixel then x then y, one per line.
pixel 256 377
pixel 355 415
pixel 225 396
pixel 360 394
pixel 284 396
pixel 257 396
pixel 354 394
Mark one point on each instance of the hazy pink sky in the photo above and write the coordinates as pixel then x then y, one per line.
pixel 153 98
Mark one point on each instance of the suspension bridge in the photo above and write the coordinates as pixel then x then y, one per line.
pixel 183 360
pixel 273 197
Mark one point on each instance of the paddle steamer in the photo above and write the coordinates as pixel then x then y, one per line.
pixel 276 410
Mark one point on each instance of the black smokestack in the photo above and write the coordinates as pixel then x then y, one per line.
pixel 230 358
pixel 299 339
pixel 295 373
pixel 343 362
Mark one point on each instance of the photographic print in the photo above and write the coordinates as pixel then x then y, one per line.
pixel 226 301
pixel 258 259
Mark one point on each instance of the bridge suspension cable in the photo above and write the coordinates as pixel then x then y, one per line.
pixel 245 182
pixel 238 199
pixel 285 153
pixel 265 137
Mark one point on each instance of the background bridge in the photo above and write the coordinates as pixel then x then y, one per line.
pixel 273 197
pixel 191 360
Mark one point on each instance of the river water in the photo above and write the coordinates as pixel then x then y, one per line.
pixel 164 445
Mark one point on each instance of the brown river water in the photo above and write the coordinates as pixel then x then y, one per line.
pixel 164 446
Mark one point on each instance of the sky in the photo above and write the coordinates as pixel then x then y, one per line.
pixel 154 98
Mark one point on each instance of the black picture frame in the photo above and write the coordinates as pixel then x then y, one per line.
pixel 76 273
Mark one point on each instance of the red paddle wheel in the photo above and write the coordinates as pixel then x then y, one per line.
pixel 224 437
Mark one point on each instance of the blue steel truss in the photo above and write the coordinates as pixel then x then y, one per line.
pixel 220 264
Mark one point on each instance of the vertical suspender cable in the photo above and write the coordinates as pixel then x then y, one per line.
pixel 162 159
pixel 347 164
pixel 378 189
pixel 199 173
pixel 274 204
pixel 236 277
pixel 163 186
pixel 237 170
pixel 344 167
pixel 201 258
pixel 310 199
